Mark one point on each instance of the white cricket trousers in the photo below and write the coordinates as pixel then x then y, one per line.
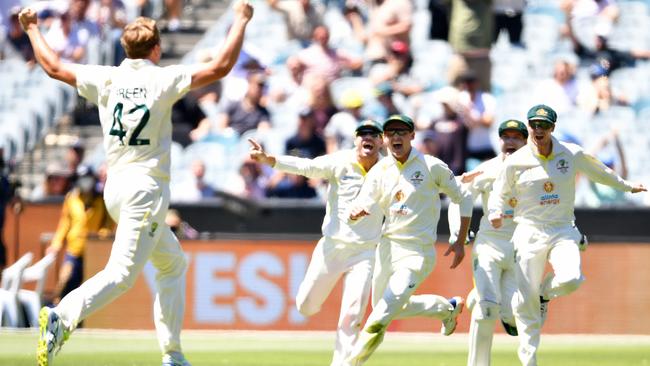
pixel 138 204
pixel 399 271
pixel 534 245
pixel 493 262
pixel 330 260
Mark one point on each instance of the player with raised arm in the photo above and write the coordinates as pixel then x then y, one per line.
pixel 407 185
pixel 345 250
pixel 493 257
pixel 134 101
pixel 542 176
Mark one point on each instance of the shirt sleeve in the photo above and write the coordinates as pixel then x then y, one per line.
pixel 599 172
pixel 502 189
pixel 91 80
pixel 320 167
pixel 176 81
pixel 453 211
pixel 448 185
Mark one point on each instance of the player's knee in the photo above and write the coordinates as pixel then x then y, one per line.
pixel 126 281
pixel 572 284
pixel 486 311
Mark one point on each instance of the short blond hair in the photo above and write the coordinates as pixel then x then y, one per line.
pixel 140 37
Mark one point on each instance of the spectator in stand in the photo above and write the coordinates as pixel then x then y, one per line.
pixel 323 60
pixel 57 182
pixel 65 41
pixel 194 189
pixel 477 110
pixel 241 116
pixel 396 70
pixel 598 96
pixel 470 36
pixel 74 155
pixel 304 144
pixel 388 21
pixel 449 133
pixel 301 16
pixel 110 15
pixel 340 131
pixel 251 181
pixel 18 39
pixel 560 91
pixel 173 12
pixel 602 54
pixel 83 215
pixel 320 102
pixel 508 15
pixel 198 106
pixel 440 12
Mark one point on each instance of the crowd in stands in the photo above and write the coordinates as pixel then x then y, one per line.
pixel 311 70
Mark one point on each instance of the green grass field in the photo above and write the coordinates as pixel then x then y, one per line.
pixel 307 349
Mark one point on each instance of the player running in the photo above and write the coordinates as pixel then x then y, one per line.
pixel 493 256
pixel 541 176
pixel 406 185
pixel 135 101
pixel 344 250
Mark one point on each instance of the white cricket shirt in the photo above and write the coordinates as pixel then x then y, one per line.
pixel 135 101
pixel 345 176
pixel 545 186
pixel 409 196
pixel 482 186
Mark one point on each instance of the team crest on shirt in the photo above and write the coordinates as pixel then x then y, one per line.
pixel 417 178
pixel 563 166
pixel 399 196
pixel 548 187
pixel 513 202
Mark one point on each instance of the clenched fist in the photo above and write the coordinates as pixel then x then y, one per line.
pixel 27 17
pixel 243 10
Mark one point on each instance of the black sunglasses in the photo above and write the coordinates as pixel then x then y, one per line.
pixel 540 124
pixel 368 133
pixel 398 132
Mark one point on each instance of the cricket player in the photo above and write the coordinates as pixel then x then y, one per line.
pixel 541 175
pixel 493 257
pixel 407 186
pixel 135 101
pixel 345 250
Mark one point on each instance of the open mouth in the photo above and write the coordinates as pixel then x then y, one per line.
pixel 367 146
pixel 510 150
pixel 396 145
pixel 539 138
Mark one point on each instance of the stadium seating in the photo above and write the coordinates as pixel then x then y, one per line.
pixel 31 301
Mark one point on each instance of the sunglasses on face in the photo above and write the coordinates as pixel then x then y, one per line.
pixel 368 133
pixel 540 124
pixel 397 131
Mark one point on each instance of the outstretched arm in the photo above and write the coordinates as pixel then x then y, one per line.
pixel 222 64
pixel 46 57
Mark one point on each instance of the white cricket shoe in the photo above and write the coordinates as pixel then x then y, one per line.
pixel 449 324
pixel 52 335
pixel 543 308
pixel 177 359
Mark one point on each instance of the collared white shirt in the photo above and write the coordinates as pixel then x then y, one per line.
pixel 409 196
pixel 135 101
pixel 345 176
pixel 482 186
pixel 545 186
